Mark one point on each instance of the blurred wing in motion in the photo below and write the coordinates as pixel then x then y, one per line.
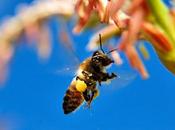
pixel 68 57
pixel 123 79
pixel 67 71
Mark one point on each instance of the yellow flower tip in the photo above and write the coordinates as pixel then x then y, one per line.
pixel 144 51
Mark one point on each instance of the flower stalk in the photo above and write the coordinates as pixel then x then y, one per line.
pixel 132 21
pixel 163 18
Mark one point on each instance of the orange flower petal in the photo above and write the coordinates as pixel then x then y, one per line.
pixel 135 61
pixel 158 38
pixel 83 20
pixel 135 25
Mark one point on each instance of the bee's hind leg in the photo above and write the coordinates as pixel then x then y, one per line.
pixel 91 96
pixel 99 82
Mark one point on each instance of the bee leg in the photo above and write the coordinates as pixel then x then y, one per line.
pixel 113 75
pixel 89 103
pixel 99 82
pixel 85 73
pixel 95 93
pixel 107 76
pixel 78 78
pixel 86 95
pixel 91 97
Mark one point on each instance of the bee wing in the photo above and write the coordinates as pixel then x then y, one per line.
pixel 124 78
pixel 68 66
pixel 68 55
pixel 67 71
pixel 72 99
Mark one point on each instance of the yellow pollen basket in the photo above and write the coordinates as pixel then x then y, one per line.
pixel 81 86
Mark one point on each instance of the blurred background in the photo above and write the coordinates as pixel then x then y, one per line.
pixel 32 95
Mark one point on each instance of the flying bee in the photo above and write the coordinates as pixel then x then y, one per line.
pixel 91 71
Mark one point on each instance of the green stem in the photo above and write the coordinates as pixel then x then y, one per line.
pixel 161 13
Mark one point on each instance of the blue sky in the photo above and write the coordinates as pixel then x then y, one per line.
pixel 32 96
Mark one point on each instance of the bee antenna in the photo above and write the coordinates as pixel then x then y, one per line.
pixel 112 50
pixel 101 44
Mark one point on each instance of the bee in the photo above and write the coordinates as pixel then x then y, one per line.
pixel 91 71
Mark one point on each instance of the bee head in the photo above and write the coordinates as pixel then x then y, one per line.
pixel 101 59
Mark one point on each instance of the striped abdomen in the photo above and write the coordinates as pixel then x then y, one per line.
pixel 72 99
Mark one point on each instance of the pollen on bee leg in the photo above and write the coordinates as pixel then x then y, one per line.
pixel 96 94
pixel 81 86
